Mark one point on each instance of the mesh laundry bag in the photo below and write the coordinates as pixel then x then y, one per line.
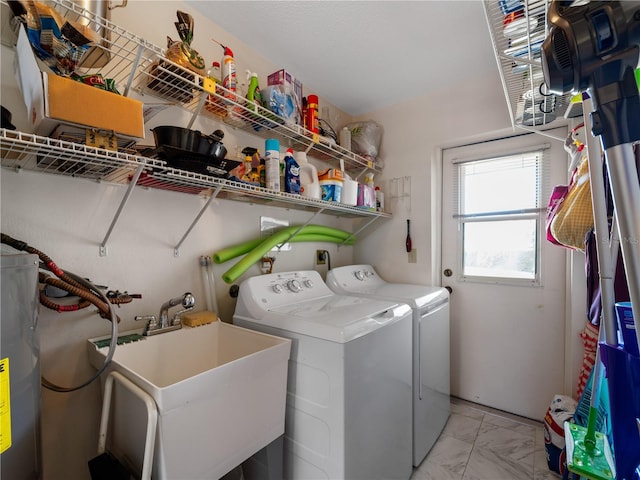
pixel 574 217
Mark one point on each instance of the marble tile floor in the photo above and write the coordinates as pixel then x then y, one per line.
pixel 480 443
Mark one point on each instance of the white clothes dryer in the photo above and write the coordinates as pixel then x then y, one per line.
pixel 431 377
pixel 348 413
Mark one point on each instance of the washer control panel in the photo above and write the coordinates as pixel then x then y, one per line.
pixel 285 288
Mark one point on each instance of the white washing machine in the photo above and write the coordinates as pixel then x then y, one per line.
pixel 348 413
pixel 431 383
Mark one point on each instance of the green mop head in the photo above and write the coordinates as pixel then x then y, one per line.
pixel 591 459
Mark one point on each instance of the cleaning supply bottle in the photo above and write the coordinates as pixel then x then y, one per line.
pixel 229 76
pixel 272 164
pixel 214 103
pixel 312 114
pixel 262 175
pixel 291 173
pixel 379 200
pixel 345 138
pixel 309 183
pixel 253 91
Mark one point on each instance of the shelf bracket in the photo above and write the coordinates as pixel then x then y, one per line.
pixel 176 249
pixel 134 69
pixel 359 230
pixel 301 227
pixel 123 203
pixel 203 98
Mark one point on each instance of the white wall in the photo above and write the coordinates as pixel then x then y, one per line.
pixel 68 218
pixel 414 133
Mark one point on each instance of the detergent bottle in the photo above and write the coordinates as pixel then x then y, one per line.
pixel 291 173
pixel 309 183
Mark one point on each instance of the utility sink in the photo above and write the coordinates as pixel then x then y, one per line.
pixel 220 391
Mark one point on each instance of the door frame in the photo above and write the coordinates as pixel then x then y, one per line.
pixel 575 286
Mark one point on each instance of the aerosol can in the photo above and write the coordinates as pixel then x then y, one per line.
pixel 229 75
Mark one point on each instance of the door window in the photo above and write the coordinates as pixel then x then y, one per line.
pixel 500 218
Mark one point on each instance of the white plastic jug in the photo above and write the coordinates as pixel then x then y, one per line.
pixel 309 184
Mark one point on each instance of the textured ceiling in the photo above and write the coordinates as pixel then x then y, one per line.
pixel 364 55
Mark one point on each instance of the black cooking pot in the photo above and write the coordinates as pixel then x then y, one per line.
pixel 177 138
pixel 211 145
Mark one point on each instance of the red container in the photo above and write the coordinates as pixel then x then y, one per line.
pixel 312 114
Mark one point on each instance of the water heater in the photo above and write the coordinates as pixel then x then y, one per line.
pixel 20 454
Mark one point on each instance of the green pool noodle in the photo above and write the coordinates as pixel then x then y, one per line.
pixel 230 253
pixel 227 254
pixel 257 253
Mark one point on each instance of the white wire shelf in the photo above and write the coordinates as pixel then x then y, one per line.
pixel 137 65
pixel 517 41
pixel 47 155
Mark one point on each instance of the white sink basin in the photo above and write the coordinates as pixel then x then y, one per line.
pixel 220 391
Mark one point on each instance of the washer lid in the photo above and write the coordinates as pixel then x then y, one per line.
pixel 337 318
pixel 324 314
pixel 362 280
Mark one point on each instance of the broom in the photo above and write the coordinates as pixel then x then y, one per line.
pixel 588 451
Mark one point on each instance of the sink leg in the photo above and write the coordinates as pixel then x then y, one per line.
pixel 275 459
pixel 266 463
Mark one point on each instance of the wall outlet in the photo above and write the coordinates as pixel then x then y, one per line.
pixel 413 256
pixel 320 257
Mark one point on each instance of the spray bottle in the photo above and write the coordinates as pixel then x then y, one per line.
pixel 253 92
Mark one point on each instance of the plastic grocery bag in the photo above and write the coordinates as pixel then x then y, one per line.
pixel 365 139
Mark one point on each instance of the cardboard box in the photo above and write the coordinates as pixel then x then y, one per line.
pixel 52 100
pixel 282 77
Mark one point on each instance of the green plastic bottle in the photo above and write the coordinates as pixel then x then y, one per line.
pixel 253 92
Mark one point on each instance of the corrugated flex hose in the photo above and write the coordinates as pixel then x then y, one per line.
pixel 256 249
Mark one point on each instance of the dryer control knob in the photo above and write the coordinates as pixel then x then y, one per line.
pixel 294 286
pixel 308 283
pixel 359 275
pixel 368 273
pixel 277 288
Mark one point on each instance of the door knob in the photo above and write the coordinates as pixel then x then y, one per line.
pixel 448 288
pixel 447 272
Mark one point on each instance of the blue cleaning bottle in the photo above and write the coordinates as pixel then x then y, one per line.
pixel 291 173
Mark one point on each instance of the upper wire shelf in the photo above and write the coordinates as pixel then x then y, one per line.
pixel 137 65
pixel 517 29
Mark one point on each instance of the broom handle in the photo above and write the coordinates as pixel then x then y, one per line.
pixel 607 331
pixel 601 232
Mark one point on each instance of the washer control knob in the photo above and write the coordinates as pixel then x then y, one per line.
pixel 294 286
pixel 359 275
pixel 277 288
pixel 308 283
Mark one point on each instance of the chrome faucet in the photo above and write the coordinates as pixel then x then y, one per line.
pixel 162 323
pixel 187 300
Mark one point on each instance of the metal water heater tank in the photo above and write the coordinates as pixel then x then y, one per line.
pixel 20 454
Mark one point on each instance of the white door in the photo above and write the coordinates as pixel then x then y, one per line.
pixel 507 281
